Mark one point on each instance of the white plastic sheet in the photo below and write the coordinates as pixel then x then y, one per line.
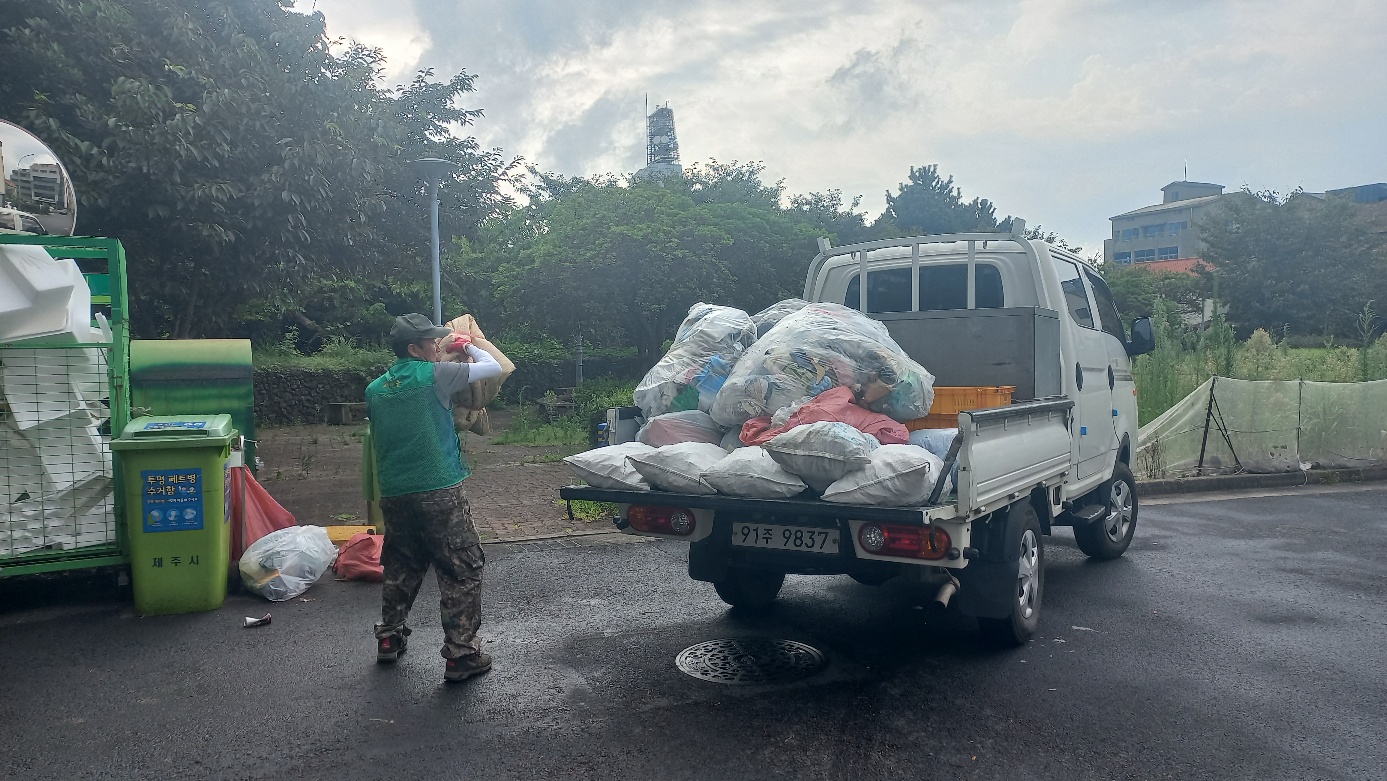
pixel 1226 426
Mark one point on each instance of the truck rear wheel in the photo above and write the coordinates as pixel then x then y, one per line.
pixel 1108 536
pixel 1026 553
pixel 750 589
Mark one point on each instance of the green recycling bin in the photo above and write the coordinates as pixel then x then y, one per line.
pixel 175 474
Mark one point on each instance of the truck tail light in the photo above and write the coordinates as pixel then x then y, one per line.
pixel 912 542
pixel 662 520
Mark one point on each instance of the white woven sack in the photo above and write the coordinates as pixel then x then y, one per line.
pixel 898 476
pixel 751 472
pixel 606 467
pixel 822 453
pixel 680 467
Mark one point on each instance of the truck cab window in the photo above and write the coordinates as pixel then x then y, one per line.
pixel 1075 297
pixel 888 290
pixel 942 287
pixel 1107 307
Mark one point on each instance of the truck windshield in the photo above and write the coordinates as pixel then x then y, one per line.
pixel 942 286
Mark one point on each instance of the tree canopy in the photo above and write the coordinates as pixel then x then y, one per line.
pixel 241 156
pixel 1301 262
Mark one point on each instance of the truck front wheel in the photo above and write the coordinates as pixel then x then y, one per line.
pixel 1027 554
pixel 750 589
pixel 1107 537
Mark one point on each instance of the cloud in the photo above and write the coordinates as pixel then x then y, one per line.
pixel 1063 111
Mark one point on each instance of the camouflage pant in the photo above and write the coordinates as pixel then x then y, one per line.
pixel 433 527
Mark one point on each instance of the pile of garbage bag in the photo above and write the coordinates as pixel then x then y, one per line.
pixel 706 347
pixel 817 348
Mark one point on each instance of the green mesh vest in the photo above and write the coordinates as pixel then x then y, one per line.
pixel 416 447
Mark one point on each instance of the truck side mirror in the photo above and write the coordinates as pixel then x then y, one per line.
pixel 1143 338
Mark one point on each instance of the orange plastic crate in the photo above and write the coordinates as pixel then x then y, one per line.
pixel 949 401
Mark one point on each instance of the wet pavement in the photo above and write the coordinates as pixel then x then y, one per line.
pixel 1240 638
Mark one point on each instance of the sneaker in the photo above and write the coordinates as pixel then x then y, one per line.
pixel 389 648
pixel 464 667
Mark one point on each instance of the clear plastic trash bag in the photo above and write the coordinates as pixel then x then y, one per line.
pixel 819 347
pixel 284 563
pixel 706 348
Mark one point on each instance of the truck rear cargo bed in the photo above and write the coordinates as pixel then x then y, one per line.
pixel 815 508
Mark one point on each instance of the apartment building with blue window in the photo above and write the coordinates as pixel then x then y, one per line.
pixel 1168 230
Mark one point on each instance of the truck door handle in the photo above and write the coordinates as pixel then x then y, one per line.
pixel 1112 379
pixel 1079 375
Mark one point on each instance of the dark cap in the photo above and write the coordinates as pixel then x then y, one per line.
pixel 415 327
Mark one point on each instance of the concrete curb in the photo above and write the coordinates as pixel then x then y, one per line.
pixel 1195 485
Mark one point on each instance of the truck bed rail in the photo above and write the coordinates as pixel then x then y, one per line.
pixel 816 508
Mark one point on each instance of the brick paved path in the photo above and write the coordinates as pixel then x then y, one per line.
pixel 315 472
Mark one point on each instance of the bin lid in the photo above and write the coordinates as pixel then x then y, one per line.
pixel 151 432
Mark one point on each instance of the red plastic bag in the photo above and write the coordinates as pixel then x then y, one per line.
pixel 254 513
pixel 836 405
pixel 359 558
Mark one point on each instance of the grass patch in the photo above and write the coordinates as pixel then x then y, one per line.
pixel 338 354
pixel 584 510
pixel 593 398
pixel 526 428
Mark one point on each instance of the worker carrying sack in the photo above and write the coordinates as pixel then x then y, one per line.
pixel 359 558
pixel 469 404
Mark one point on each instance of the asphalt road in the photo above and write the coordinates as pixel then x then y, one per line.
pixel 1242 638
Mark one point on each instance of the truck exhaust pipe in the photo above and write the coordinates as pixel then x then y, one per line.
pixel 946 592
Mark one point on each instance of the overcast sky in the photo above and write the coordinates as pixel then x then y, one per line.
pixel 1064 112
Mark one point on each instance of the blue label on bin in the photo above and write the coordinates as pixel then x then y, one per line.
pixel 171 500
pixel 163 424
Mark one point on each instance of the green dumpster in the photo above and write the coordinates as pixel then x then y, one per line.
pixel 175 474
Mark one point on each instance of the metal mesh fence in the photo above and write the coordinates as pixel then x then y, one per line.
pixel 56 479
pixel 1227 426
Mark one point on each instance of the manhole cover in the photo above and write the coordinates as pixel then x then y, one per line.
pixel 749 661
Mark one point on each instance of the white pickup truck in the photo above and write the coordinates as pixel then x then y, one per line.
pixel 976 310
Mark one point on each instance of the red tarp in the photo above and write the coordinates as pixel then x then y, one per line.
pixel 835 405
pixel 254 513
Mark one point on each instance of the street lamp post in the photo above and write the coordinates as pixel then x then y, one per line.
pixel 432 170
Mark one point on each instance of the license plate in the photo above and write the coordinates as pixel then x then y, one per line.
pixel 794 538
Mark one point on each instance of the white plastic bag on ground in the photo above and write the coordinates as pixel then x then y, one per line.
pixel 766 319
pixel 823 346
pixel 822 453
pixel 675 427
pixel 607 467
pixel 751 472
pixel 898 476
pixel 679 468
pixel 707 345
pixel 284 563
